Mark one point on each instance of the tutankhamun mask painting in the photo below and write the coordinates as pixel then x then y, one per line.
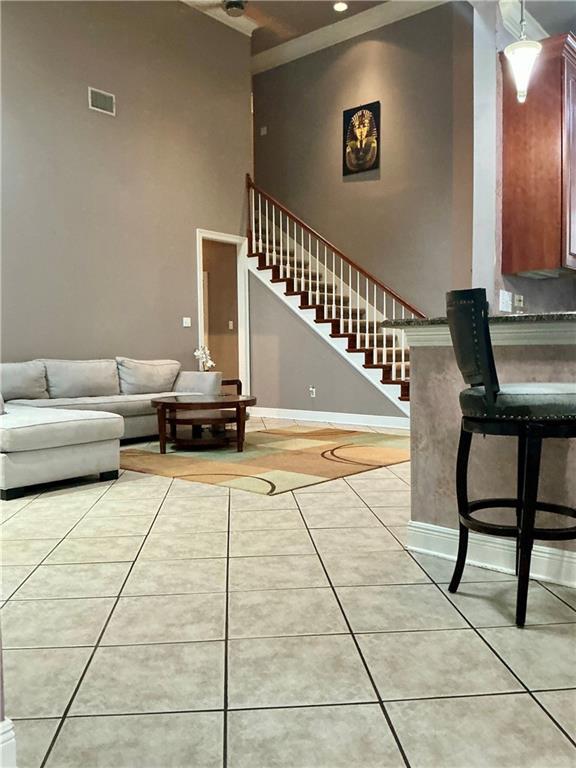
pixel 361 138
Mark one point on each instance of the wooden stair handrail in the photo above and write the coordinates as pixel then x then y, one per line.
pixel 296 219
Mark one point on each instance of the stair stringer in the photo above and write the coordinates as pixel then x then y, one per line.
pixel 390 391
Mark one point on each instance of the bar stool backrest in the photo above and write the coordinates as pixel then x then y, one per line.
pixel 467 313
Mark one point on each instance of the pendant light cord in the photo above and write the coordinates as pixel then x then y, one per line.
pixel 522 21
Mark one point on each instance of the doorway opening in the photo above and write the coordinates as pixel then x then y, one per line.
pixel 223 302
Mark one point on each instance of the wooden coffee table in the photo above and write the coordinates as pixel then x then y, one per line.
pixel 231 409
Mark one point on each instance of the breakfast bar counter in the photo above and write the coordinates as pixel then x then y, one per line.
pixel 527 348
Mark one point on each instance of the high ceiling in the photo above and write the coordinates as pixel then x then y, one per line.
pixel 273 22
pixel 282 20
pixel 556 16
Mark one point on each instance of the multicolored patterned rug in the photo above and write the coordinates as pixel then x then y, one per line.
pixel 275 461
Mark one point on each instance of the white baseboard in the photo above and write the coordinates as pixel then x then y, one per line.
pixel 7 744
pixel 498 554
pixel 392 422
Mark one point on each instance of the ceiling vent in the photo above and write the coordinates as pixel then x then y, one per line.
pixel 102 101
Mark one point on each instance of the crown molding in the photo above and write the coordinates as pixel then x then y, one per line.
pixel 242 24
pixel 510 11
pixel 340 31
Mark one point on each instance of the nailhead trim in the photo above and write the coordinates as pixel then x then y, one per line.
pixel 526 418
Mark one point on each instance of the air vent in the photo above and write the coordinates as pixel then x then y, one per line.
pixel 102 101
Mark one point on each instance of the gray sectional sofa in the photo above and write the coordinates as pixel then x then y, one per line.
pixel 64 418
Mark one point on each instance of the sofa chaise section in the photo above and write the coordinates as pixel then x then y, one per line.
pixel 49 444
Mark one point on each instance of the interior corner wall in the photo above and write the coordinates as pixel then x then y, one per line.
pixel 287 357
pixel 100 213
pixel 409 223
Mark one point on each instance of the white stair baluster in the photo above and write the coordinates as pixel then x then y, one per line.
pixel 393 342
pixel 274 235
pixel 403 349
pixel 374 321
pixel 259 222
pixel 334 284
pixel 317 274
pixel 325 302
pixel 267 237
pixel 357 308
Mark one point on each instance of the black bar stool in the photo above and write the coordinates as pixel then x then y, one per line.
pixel 530 412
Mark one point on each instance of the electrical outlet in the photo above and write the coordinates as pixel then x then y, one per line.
pixel 518 301
pixel 186 322
pixel 230 325
pixel 312 391
pixel 505 301
pixel 263 130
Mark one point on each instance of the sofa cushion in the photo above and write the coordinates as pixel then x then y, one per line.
pixel 203 382
pixel 23 380
pixel 30 429
pixel 1 405
pixel 124 405
pixel 82 378
pixel 146 376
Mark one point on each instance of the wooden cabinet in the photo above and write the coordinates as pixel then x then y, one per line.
pixel 539 165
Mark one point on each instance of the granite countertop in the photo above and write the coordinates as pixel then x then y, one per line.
pixel 548 317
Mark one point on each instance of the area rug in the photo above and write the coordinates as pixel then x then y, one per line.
pixel 275 461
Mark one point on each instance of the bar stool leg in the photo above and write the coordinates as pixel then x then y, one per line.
pixel 520 491
pixel 526 537
pixel 462 497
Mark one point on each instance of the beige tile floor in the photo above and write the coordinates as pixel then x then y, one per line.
pixel 151 623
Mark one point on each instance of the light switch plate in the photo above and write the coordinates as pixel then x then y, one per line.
pixel 505 303
pixel 186 322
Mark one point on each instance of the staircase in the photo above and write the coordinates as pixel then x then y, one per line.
pixel 354 305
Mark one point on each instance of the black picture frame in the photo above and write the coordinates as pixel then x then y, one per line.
pixel 361 153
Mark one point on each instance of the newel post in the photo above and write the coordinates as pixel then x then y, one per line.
pixel 249 233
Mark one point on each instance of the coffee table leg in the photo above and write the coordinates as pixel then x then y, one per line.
pixel 162 428
pixel 240 424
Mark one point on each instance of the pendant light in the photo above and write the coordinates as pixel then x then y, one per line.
pixel 522 55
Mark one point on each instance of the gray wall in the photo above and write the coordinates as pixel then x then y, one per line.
pixel 409 222
pixel 288 357
pixel 99 213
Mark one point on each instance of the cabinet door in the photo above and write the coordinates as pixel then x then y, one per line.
pixel 569 166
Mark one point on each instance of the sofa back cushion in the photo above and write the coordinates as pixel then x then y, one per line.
pixel 82 378
pixel 142 376
pixel 23 380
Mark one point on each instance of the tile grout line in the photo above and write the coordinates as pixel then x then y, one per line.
pixel 226 633
pixel 37 566
pixel 479 634
pixel 291 706
pixel 27 504
pixel 98 639
pixel 543 584
pixel 357 645
pixel 498 656
pixel 374 513
pixel 279 637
